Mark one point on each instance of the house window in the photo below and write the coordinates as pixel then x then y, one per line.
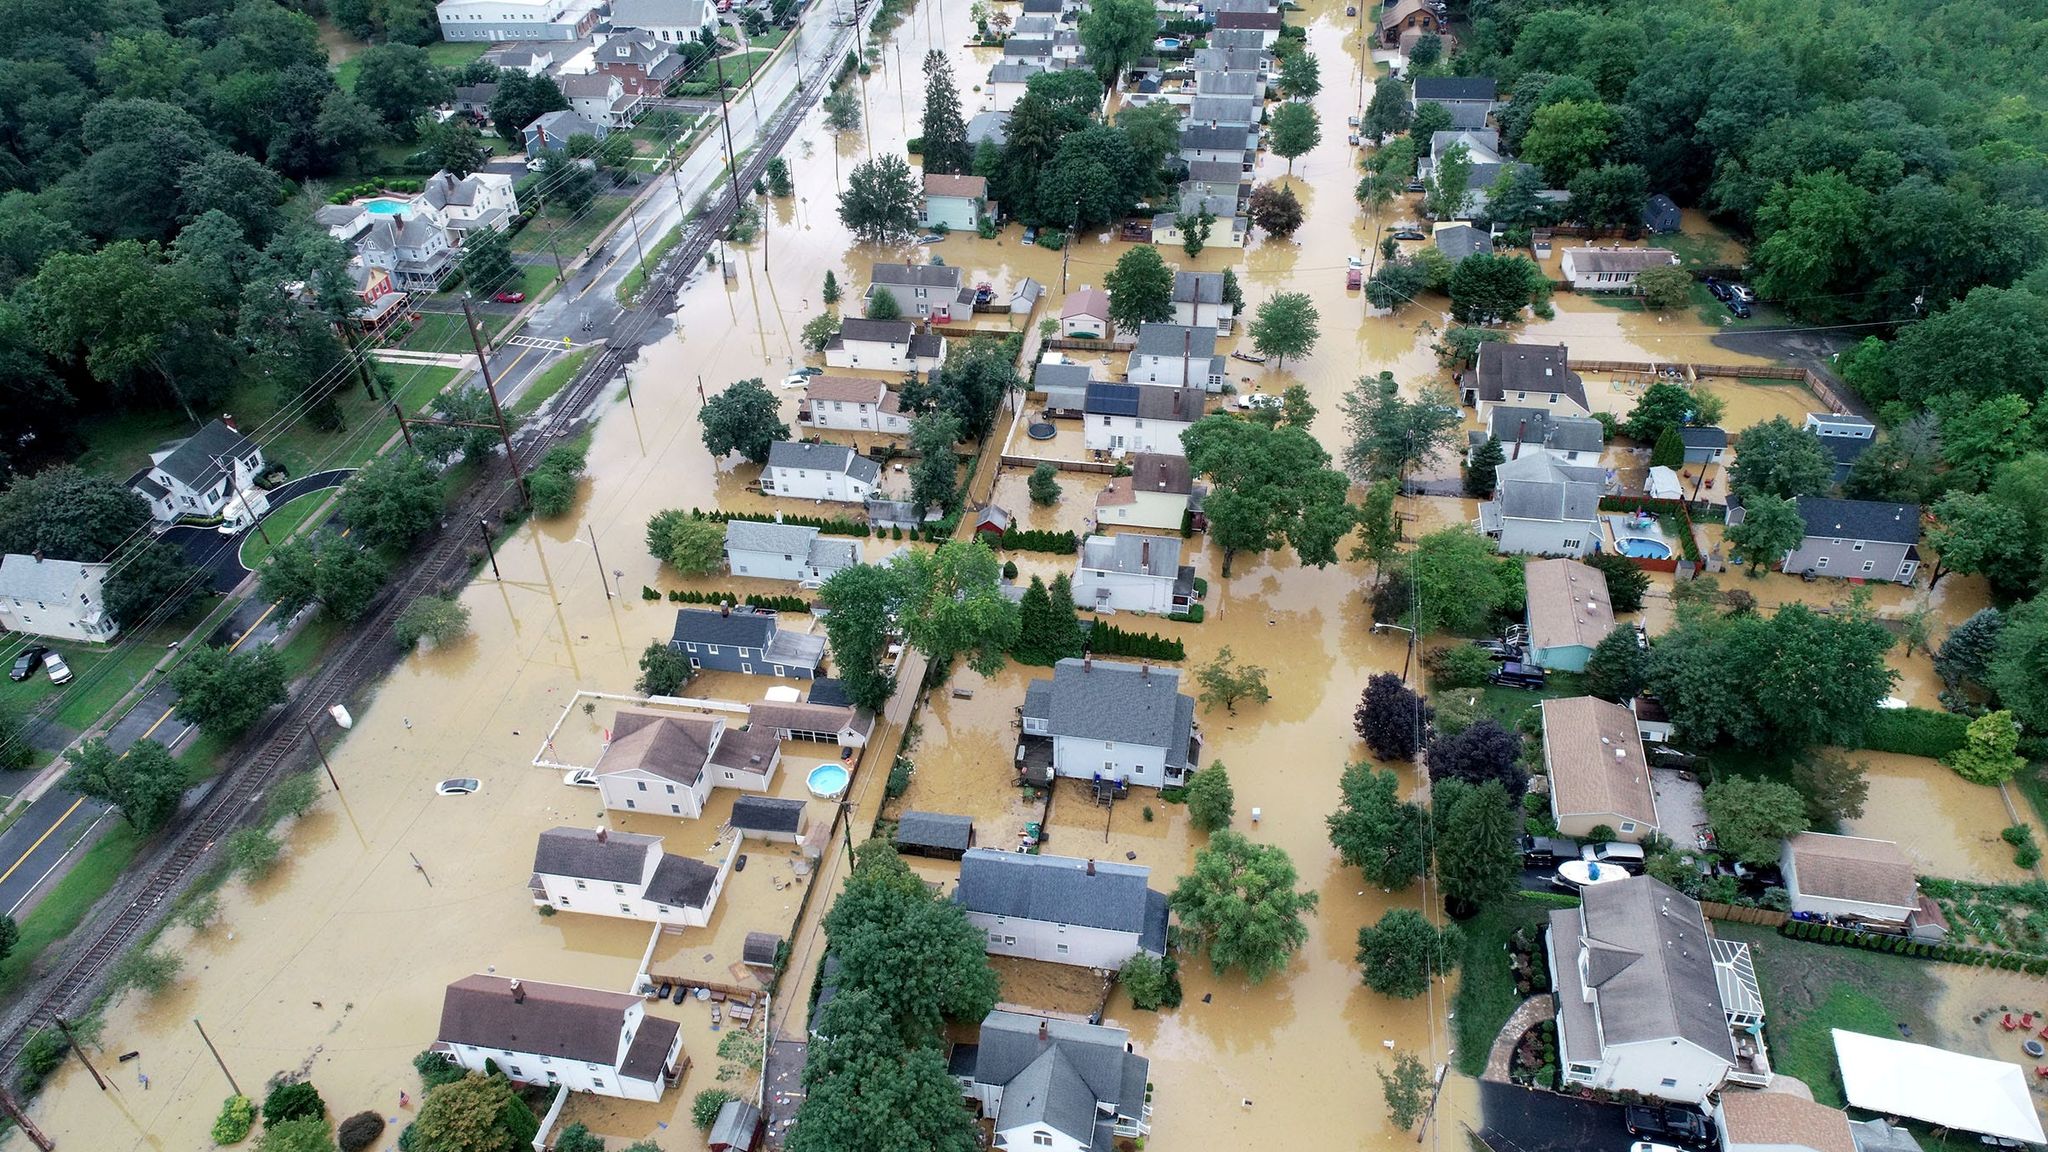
pixel 625 909
pixel 675 809
pixel 1062 949
pixel 671 789
pixel 1041 1139
pixel 1668 1082
pixel 1821 563
pixel 640 784
pixel 1869 564
pixel 630 804
pixel 1628 826
pixel 712 649
pixel 728 775
pixel 1856 547
pixel 1571 543
pixel 565 901
pixel 580 886
pixel 618 889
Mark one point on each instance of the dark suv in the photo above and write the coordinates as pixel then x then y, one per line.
pixel 1547 851
pixel 31 658
pixel 1515 674
pixel 1674 1125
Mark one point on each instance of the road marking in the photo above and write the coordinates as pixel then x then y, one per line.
pixel 39 840
pixel 168 712
pixel 56 864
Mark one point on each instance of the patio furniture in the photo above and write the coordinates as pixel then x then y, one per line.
pixel 2008 1023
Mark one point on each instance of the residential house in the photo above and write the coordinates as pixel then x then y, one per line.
pixel 551 1035
pixel 664 763
pixel 1457 240
pixel 1468 92
pixel 526 59
pixel 993 127
pixel 1133 572
pixel 1598 774
pixel 1198 301
pixel 641 61
pixel 893 345
pixel 494 20
pixel 669 21
pixel 410 247
pixel 1568 612
pixel 1412 16
pixel 1228 228
pixel 551 131
pixel 1055 1084
pixel 1542 507
pixel 1611 269
pixel 599 97
pixel 817 720
pixel 1855 539
pixel 606 873
pixel 1054 908
pixel 1481 145
pixel 1266 25
pixel 1179 355
pixel 1780 1122
pixel 1007 83
pixel 939 835
pixel 1237 145
pixel 736 1128
pixel 1653 723
pixel 1225 112
pixel 1085 315
pixel 1034 26
pixel 1855 880
pixel 1216 178
pixel 475 99
pixel 62 599
pixel 1648 1000
pixel 1255 61
pixel 207 476
pixel 1035 51
pixel 1845 435
pixel 1525 375
pixel 819 472
pixel 958 202
pixel 1117 723
pixel 770 819
pixel 1025 296
pixel 1120 418
pixel 1067 51
pixel 852 404
pixel 747 640
pixel 1065 385
pixel 1159 493
pixel 465 204
pixel 1523 431
pixel 781 551
pixel 1704 444
pixel 1243 40
pixel 1247 85
pixel 1481 178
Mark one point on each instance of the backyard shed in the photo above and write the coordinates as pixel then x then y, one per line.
pixel 760 948
pixel 736 1128
pixel 1945 1089
pixel 1852 877
pixel 941 835
pixel 769 818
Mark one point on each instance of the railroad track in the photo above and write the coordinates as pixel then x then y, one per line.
pixel 278 742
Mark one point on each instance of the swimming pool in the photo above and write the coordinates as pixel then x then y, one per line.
pixel 1644 547
pixel 1167 44
pixel 827 781
pixel 385 207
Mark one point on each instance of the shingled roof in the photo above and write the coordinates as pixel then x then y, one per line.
pixel 1853 868
pixel 1595 755
pixel 558 1020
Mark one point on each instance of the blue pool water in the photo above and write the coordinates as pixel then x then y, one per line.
pixel 1644 547
pixel 384 207
pixel 1167 43
pixel 827 780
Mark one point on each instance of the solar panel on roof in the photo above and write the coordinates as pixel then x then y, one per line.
pixel 1113 399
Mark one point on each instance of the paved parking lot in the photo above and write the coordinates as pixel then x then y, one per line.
pixel 1524 1120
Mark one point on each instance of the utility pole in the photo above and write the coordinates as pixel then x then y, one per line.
pixel 12 1107
pixel 64 1026
pixel 322 754
pixel 484 530
pixel 235 482
pixel 216 1056
pixel 732 166
pixel 483 364
pixel 1067 249
pixel 592 529
pixel 349 333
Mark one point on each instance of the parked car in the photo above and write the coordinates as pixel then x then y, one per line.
pixel 1625 856
pixel 1515 674
pixel 1547 851
pixel 1647 1146
pixel 1676 1125
pixel 31 658
pixel 1716 288
pixel 1742 292
pixel 580 778
pixel 60 672
pixel 510 297
pixel 1740 308
pixel 459 786
pixel 1251 401
pixel 1499 649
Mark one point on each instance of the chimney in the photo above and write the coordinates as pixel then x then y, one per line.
pixel 778 515
pixel 604 835
pixel 518 992
pixel 1044 1032
pixel 1145 671
pixel 228 418
pixel 1087 662
pixel 1145 554
pixel 1519 426
pixel 725 608
pixel 1091 865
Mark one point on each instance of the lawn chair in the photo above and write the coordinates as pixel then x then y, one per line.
pixel 2009 1024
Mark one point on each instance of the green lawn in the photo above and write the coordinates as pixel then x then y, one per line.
pixel 92 875
pixel 438 332
pixel 770 38
pixel 551 380
pixel 298 655
pixel 418 384
pixel 100 674
pixel 633 281
pixel 1486 987
pixel 442 53
pixel 573 233
pixel 1509 705
pixel 1810 989
pixel 280 524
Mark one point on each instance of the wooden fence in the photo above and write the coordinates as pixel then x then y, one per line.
pixel 1822 389
pixel 1099 467
pixel 1068 344
pixel 1739 914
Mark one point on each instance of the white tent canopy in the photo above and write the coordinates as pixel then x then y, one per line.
pixel 1948 1089
pixel 1663 485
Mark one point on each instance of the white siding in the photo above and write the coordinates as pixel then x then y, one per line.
pixel 636 791
pixel 1083 759
pixel 1130 434
pixel 814 484
pixel 1123 591
pixel 1161 510
pixel 856 416
pixel 1057 943
pixel 602 1079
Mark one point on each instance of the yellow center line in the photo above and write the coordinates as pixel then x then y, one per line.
pixel 47 833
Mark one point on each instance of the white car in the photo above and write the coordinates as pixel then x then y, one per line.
pixel 459 786
pixel 1648 1146
pixel 796 380
pixel 580 778
pixel 60 672
pixel 1256 400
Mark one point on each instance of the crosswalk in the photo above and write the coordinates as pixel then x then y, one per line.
pixel 540 344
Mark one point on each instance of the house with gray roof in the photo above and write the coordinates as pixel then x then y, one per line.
pixel 1845 435
pixel 1855 539
pixel 936 291
pixel 775 819
pixel 1455 92
pixel 735 1129
pixel 205 477
pixel 1228 226
pixel 1107 721
pixel 559 1035
pixel 670 21
pixel 667 763
pixel 940 835
pixel 1179 355
pixel 1704 444
pixel 807 471
pixel 1088 913
pixel 1229 84
pixel 778 551
pixel 1521 431
pixel 1542 507
pixel 1133 572
pixel 993 127
pixel 1648 1000
pixel 551 131
pixel 1525 375
pixel 63 599
pixel 1225 111
pixel 1065 385
pixel 1123 418
pixel 607 873
pixel 1250 60
pixel 1198 301
pixel 888 345
pixel 1057 1084
pixel 1459 240
pixel 1009 80
pixel 747 640
pixel 1611 269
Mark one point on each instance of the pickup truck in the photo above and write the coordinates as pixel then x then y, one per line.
pixel 1676 1125
pixel 1547 851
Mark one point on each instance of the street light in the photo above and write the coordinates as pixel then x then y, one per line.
pixel 343 721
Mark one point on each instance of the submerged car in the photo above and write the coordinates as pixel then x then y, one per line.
pixel 459 786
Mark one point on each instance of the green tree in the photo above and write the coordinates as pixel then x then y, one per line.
pixel 880 201
pixel 1224 682
pixel 1476 860
pixel 577 1138
pixel 552 483
pixel 1979 436
pixel 323 568
pixel 1486 288
pixel 486 263
pixel 745 418
pixel 1066 638
pixel 1618 667
pixel 1610 196
pixel 975 382
pixel 293 1100
pixel 818 332
pixel 1460 580
pixel 1626 583
pixel 1669 451
pixel 1833 787
pixel 1240 901
pixel 915 952
pixel 1780 458
pixel 1286 325
pixel 1148 981
pixel 1376 831
pixel 1781 701
pixel 1211 802
pixel 1387 113
pixel 1295 131
pixel 2018 670
pixel 440 619
pixel 1194 230
pixel 830 293
pixel 456 148
pixel 145 783
pixel 224 691
pixel 1752 817
pixel 1569 137
pixel 1406 1090
pixel 1140 289
pixel 1665 289
pixel 860 601
pixel 1974 533
pixel 1044 485
pixel 296 1136
pixel 1770 529
pixel 693 545
pixel 945 133
pixel 704 1109
pixel 16 753
pixel 1399 955
pixel 663 670
pixel 1276 208
pixel 1270 484
pixel 1666 405
pixel 392 501
pixel 1448 190
pixel 1300 76
pixel 570 187
pixel 934 477
pixel 864 1091
pixel 153 578
pixel 1153 131
pixel 1480 479
pixel 474 1114
pixel 883 305
pixel 952 603
pixel 1988 753
pixel 1116 33
pixel 842 111
pixel 399 82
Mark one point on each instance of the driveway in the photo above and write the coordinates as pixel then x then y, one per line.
pixel 221 554
pixel 1525 1120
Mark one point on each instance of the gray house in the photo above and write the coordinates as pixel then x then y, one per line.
pixel 1856 540
pixel 1522 431
pixel 786 551
pixel 1704 444
pixel 1088 913
pixel 1542 507
pixel 769 818
pixel 1845 435
pixel 1225 111
pixel 745 640
pixel 1198 297
pixel 937 834
pixel 1178 355
pixel 551 132
pixel 1525 376
pixel 1110 723
pixel 1055 1084
pixel 1455 92
pixel 922 290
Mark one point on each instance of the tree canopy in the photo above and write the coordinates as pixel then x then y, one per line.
pixel 1376 831
pixel 1140 289
pixel 1271 484
pixel 1239 902
pixel 744 418
pixel 1808 678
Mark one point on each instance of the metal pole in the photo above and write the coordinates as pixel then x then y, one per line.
pixel 12 1108
pixel 421 869
pixel 64 1026
pixel 483 364
pixel 732 166
pixel 236 484
pixel 600 561
pixel 403 428
pixel 484 530
pixel 322 754
pixel 349 333
pixel 216 1056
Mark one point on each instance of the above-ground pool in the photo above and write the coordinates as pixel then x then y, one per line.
pixel 1167 43
pixel 1644 547
pixel 385 207
pixel 827 781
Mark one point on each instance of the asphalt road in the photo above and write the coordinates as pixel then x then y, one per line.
pixel 1524 1120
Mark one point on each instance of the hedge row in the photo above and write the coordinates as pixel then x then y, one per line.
pixel 835 525
pixel 1902 946
pixel 1193 615
pixel 1064 543
pixel 1640 504
pixel 771 603
pixel 1914 731
pixel 359 191
pixel 1109 640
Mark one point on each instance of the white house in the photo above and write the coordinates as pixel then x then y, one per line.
pixel 1455 92
pixel 1544 508
pixel 819 472
pixel 1850 877
pixel 600 98
pixel 1055 1084
pixel 206 476
pixel 1844 434
pixel 1133 572
pixel 1109 721
pixel 1179 355
pixel 1198 301
pixel 1159 493
pixel 464 204
pixel 1082 912
pixel 1611 269
pixel 606 873
pixel 1228 228
pixel 958 202
pixel 672 21
pixel 893 345
pixel 781 551
pixel 1648 1000
pixel 1008 81
pixel 1523 431
pixel 1085 315
pixel 517 19
pixel 63 599
pixel 583 1039
pixel 1119 418
pixel 852 404
pixel 1593 752
pixel 1524 376
pixel 668 764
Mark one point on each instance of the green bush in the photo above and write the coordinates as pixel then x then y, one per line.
pixel 1914 731
pixel 704 1109
pixel 436 1070
pixel 752 600
pixel 2027 855
pixel 237 1117
pixel 1106 639
pixel 552 483
pixel 647 593
pixel 834 526
pixel 899 777
pixel 1194 614
pixel 359 1131
pixel 292 1100
pixel 1458 666
pixel 1031 540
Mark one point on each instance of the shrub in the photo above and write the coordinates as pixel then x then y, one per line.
pixel 441 619
pixel 1108 640
pixel 359 1131
pixel 1458 666
pixel 292 1100
pixel 237 1117
pixel 253 852
pixel 552 483
pixel 149 969
pixel 436 1070
pixel 2027 855
pixel 899 777
pixel 292 796
pixel 1144 977
pixel 704 1109
pixel 1009 569
pixel 42 1055
pixel 833 526
pixel 1914 732
pixel 1030 540
pixel 2017 835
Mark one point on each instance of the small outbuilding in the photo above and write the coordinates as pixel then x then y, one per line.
pixel 770 818
pixel 992 519
pixel 760 949
pixel 940 835
pixel 737 1127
